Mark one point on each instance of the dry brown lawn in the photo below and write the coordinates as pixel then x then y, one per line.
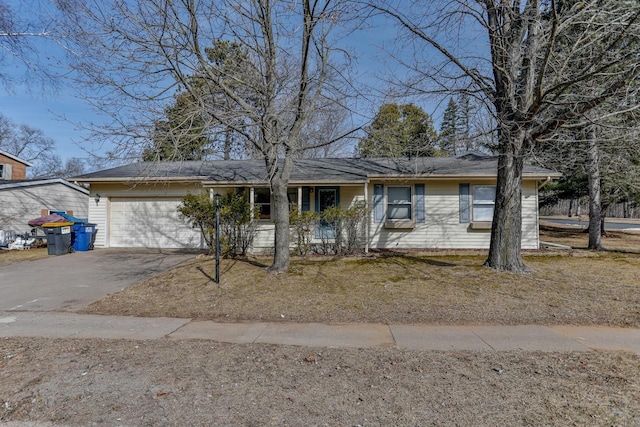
pixel 199 382
pixel 97 382
pixel 578 287
pixel 9 257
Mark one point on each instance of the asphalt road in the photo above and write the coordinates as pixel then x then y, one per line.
pixel 73 281
pixel 609 225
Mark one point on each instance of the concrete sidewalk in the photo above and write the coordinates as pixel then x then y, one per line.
pixel 353 335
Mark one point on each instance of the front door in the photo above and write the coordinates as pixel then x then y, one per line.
pixel 326 197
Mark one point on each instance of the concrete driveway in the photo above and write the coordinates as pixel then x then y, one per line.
pixel 73 281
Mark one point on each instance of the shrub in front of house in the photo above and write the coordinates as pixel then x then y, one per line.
pixel 238 226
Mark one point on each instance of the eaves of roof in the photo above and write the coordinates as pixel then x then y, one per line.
pixel 40 182
pixel 141 179
pixel 17 159
pixel 458 177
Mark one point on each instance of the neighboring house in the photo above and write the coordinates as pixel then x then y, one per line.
pixel 22 200
pixel 12 168
pixel 422 203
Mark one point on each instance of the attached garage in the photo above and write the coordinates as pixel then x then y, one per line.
pixel 150 223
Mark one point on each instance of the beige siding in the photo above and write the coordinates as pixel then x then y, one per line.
pixel 150 222
pixel 22 204
pixel 442 228
pixel 98 216
pixel 101 215
pixel 264 239
pixel 530 231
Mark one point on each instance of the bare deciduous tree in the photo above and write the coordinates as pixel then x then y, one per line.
pixel 529 61
pixel 32 145
pixel 23 34
pixel 133 56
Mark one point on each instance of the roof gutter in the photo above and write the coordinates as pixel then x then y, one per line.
pixel 141 180
pixel 208 184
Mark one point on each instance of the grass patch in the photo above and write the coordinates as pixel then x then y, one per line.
pixel 584 288
pixel 9 257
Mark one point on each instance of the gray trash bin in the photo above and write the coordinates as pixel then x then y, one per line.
pixel 58 237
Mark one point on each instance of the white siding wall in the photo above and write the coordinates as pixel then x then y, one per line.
pixel 19 205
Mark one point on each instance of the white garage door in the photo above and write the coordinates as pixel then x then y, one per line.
pixel 150 223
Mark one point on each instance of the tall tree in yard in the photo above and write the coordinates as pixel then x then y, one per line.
pixel 182 135
pixel 399 131
pixel 450 129
pixel 189 131
pixel 530 77
pixel 140 53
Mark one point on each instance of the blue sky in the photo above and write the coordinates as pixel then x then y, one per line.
pixel 43 111
pixel 47 109
pixel 26 100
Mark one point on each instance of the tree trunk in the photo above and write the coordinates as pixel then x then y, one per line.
pixel 595 205
pixel 603 217
pixel 280 216
pixel 227 144
pixel 506 230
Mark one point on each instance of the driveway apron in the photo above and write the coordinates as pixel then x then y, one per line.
pixel 73 281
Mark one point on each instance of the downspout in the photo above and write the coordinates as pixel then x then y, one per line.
pixel 368 222
pixel 544 183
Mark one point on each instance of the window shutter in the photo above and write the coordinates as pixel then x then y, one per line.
pixel 378 203
pixel 464 203
pixel 420 214
pixel 306 199
pixel 6 171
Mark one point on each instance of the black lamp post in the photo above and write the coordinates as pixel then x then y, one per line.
pixel 216 200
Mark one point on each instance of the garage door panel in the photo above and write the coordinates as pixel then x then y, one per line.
pixel 150 223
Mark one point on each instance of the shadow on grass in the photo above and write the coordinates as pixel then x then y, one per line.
pixel 230 265
pixel 416 259
pixel 205 274
pixel 250 261
pixel 432 262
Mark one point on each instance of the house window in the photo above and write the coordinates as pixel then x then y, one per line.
pixel 262 199
pixel 292 197
pixel 1 171
pixel 399 203
pixel 484 197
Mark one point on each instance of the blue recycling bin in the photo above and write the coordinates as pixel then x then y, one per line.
pixel 84 236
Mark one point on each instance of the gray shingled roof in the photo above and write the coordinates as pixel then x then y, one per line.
pixel 342 170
